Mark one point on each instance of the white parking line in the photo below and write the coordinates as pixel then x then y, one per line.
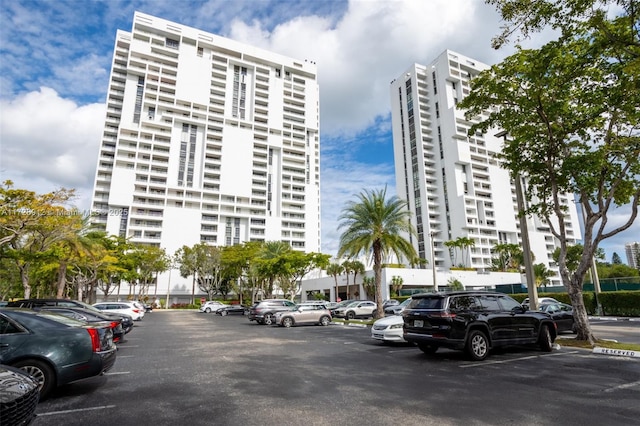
pixel 128 346
pixel 626 385
pixel 480 364
pixel 116 373
pixel 53 413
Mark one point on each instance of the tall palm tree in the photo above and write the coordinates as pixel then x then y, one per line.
pixel 357 267
pixel 373 225
pixel 334 270
pixel 466 243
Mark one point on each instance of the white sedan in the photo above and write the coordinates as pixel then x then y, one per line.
pixel 211 306
pixel 388 329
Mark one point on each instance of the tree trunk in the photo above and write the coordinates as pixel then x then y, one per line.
pixel 25 283
pixel 377 270
pixel 580 311
pixel 62 280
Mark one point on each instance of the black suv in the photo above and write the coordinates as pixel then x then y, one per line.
pixel 263 312
pixel 474 322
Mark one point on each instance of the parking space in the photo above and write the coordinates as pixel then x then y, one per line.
pixel 198 369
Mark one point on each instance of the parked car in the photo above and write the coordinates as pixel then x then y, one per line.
pixel 19 396
pixel 211 306
pixel 331 305
pixel 89 317
pixel 390 302
pixel 541 300
pixel 396 309
pixel 54 349
pixel 127 320
pixel 474 322
pixel 388 329
pixel 562 314
pixel 358 309
pixel 304 314
pixel 231 310
pixel 341 304
pixel 128 308
pixel 263 312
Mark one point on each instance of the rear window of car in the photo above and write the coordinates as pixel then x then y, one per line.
pixel 426 303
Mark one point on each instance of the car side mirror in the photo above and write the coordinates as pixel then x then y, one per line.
pixel 518 310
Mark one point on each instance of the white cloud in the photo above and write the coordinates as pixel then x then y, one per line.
pixel 49 142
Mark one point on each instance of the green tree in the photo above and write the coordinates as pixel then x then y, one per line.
pixel 615 259
pixel 375 225
pixel 506 257
pixel 335 269
pixel 454 284
pixel 369 285
pixel 271 262
pixel 30 226
pixel 453 246
pixel 396 285
pixel 465 243
pixel 570 110
pixel 541 274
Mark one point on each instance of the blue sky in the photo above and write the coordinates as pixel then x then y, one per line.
pixel 55 59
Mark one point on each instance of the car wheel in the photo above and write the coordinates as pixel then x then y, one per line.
pixel 325 320
pixel 224 312
pixel 268 319
pixel 428 349
pixel 40 371
pixel 477 345
pixel 287 321
pixel 350 315
pixel 208 310
pixel 545 340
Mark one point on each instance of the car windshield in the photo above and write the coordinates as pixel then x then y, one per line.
pixel 405 303
pixel 433 302
pixel 60 318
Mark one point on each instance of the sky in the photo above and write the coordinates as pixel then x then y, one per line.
pixel 55 60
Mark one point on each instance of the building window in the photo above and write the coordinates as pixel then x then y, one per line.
pixel 200 52
pixel 171 43
pixel 187 155
pixel 138 106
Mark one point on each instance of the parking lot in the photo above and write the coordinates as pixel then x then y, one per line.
pixel 202 369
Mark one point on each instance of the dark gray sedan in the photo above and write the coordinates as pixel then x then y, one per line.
pixel 54 349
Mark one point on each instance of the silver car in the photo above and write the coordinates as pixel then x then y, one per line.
pixel 304 314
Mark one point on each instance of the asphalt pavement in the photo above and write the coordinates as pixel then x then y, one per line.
pixel 196 369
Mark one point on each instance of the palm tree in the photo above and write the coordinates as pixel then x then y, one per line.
pixel 346 265
pixel 466 243
pixel 374 225
pixel 334 270
pixel 357 267
pixel 542 274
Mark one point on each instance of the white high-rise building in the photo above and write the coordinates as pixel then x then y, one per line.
pixel 207 139
pixel 453 183
pixel 632 250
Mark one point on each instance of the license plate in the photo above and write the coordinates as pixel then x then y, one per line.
pixel 418 323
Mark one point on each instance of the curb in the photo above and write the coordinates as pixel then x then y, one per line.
pixel 616 352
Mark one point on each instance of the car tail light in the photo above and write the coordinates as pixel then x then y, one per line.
pixel 114 324
pixel 442 315
pixel 95 339
pixel 136 310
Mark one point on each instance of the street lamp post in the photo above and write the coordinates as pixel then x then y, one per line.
pixel 433 261
pixel 169 286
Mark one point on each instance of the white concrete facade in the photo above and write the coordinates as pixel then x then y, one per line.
pixel 453 182
pixel 414 280
pixel 207 139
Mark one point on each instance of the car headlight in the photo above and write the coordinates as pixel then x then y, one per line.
pixel 396 326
